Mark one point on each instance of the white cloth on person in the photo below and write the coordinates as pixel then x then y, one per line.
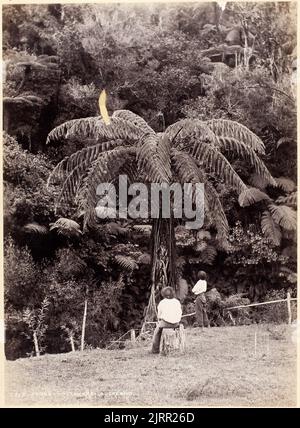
pixel 200 287
pixel 169 310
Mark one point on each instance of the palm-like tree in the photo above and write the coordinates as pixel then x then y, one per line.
pixel 189 151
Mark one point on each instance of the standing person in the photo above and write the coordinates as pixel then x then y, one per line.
pixel 169 314
pixel 200 303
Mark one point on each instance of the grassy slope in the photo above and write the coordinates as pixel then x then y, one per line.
pixel 219 368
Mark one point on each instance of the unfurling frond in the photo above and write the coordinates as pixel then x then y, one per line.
pixel 135 119
pixel 127 263
pixel 286 184
pixel 270 229
pixel 251 196
pixel 236 147
pixel 284 216
pixel 231 129
pixel 66 227
pixel 35 228
pixel 289 200
pixel 96 129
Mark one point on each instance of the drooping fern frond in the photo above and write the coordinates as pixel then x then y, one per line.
pixel 66 227
pixel 150 159
pixel 60 132
pixel 126 262
pixel 289 200
pixel 286 184
pixel 190 129
pixel 284 216
pixel 36 229
pixel 96 129
pixel 232 146
pixel 188 172
pixel 270 229
pixel 231 129
pixel 258 181
pixel 135 119
pixel 214 161
pixel 103 170
pixel 251 195
pixel 84 156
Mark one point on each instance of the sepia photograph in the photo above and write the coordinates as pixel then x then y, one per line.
pixel 149 180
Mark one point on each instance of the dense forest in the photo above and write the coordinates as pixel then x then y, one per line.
pixel 165 63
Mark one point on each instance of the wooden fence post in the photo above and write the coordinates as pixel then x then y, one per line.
pixel 288 301
pixel 132 335
pixel 36 344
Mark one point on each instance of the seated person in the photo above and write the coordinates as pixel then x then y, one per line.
pixel 169 314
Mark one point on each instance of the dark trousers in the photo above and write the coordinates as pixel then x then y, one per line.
pixel 201 314
pixel 157 334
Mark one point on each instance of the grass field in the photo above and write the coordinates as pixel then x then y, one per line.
pixel 218 368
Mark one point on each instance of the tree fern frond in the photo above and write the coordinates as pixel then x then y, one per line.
pixel 35 228
pixel 284 216
pixel 258 181
pixel 66 227
pixel 190 129
pixel 289 200
pixel 135 119
pixel 231 129
pixel 208 255
pixel 251 196
pixel 232 146
pixel 212 160
pixel 188 172
pixel 96 129
pixel 127 263
pixel 270 229
pixel 103 170
pixel 150 159
pixel 286 184
pixel 84 156
pixel 144 259
pixel 60 132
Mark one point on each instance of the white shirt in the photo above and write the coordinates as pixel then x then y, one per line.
pixel 169 310
pixel 200 287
